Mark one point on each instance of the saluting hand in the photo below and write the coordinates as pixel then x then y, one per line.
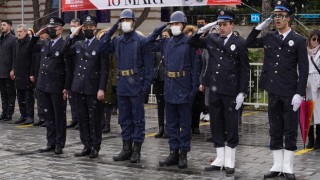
pixel 41 31
pixel 264 24
pixel 100 95
pixel 76 32
pixel 201 88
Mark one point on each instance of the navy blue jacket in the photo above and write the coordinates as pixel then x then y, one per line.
pixel 178 56
pixel 279 74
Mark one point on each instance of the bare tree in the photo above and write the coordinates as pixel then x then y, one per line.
pixel 142 18
pixel 266 9
pixel 36 13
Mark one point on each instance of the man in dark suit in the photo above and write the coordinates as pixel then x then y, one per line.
pixel 7 50
pixel 89 83
pixel 52 84
pixel 285 50
pixel 228 76
pixel 20 73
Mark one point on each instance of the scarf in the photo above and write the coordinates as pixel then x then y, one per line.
pixel 314 51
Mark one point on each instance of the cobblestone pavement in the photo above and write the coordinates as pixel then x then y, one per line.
pixel 19 158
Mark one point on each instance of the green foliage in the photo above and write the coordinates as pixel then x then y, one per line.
pixel 256 55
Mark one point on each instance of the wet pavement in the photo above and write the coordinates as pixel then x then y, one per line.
pixel 19 158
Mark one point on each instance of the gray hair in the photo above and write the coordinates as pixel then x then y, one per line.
pixel 76 20
pixel 23 26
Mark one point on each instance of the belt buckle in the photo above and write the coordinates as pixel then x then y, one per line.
pixel 171 74
pixel 125 72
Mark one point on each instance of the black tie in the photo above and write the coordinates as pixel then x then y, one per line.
pixel 281 37
pixel 222 39
pixel 86 44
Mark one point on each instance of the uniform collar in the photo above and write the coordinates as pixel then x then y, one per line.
pixel 55 41
pixel 90 40
pixel 228 37
pixel 285 34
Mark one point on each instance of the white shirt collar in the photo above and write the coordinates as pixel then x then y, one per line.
pixel 285 34
pixel 228 37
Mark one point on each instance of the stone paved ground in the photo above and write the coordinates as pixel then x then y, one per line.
pixel 19 158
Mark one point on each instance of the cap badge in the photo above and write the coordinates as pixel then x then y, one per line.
pixel 279 2
pixel 51 20
pixel 88 18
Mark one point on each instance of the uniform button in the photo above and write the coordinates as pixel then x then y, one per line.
pixel 277 63
pixel 84 67
pixel 43 64
pixel 279 48
pixel 278 55
pixel 217 72
pixel 222 51
pixel 78 74
pixel 276 72
pixel 220 57
pixel 218 65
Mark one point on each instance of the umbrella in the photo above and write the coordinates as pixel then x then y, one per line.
pixel 306 112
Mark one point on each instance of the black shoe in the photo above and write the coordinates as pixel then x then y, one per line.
pixel 106 129
pixel 272 174
pixel 76 127
pixel 93 153
pixel 20 120
pixel 172 159
pixel 183 160
pixel 289 176
pixel 2 116
pixel 39 122
pixel 58 150
pixel 46 149
pixel 125 153
pixel 72 124
pixel 165 135
pixel 196 131
pixel 28 121
pixel 84 152
pixel 136 154
pixel 160 132
pixel 213 168
pixel 43 125
pixel 230 170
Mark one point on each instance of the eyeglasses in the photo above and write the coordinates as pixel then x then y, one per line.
pixel 279 16
pixel 314 39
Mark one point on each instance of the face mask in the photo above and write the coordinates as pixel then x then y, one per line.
pixel 73 29
pixel 52 33
pixel 88 33
pixel 126 27
pixel 200 26
pixel 176 31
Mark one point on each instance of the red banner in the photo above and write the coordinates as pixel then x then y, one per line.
pixel 79 5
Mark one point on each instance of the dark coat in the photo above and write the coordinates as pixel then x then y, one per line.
pixel 7 51
pixel 22 64
pixel 53 75
pixel 280 75
pixel 228 68
pixel 91 67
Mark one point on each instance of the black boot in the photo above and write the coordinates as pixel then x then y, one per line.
pixel 125 153
pixel 165 135
pixel 183 160
pixel 317 143
pixel 311 138
pixel 136 154
pixel 172 159
pixel 160 132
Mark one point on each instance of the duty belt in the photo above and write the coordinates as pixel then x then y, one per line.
pixel 178 74
pixel 129 72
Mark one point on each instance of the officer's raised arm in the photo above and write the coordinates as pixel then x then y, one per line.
pixel 252 41
pixel 196 40
pixel 105 39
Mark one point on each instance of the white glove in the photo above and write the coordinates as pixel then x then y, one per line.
pixel 296 101
pixel 239 100
pixel 206 27
pixel 264 24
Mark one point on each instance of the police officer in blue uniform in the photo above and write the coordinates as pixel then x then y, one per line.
pixel 52 84
pixel 135 73
pixel 88 84
pixel 285 50
pixel 228 78
pixel 181 83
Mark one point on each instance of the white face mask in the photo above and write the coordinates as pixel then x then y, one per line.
pixel 73 29
pixel 176 30
pixel 126 27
